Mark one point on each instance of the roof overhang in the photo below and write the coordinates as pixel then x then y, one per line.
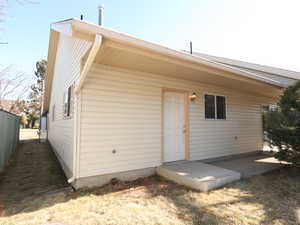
pixel 53 43
pixel 124 51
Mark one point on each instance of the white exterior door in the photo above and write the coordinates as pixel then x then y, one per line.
pixel 173 127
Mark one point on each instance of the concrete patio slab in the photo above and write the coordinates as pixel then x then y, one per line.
pixel 198 175
pixel 250 165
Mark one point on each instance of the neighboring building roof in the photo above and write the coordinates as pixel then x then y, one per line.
pixel 287 77
pixel 10 106
pixel 7 104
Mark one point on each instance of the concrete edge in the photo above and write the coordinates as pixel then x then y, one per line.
pixel 195 184
pixel 174 177
pixel 230 157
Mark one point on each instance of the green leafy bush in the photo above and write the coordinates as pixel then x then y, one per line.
pixel 283 126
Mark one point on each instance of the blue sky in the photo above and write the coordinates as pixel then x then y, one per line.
pixel 264 32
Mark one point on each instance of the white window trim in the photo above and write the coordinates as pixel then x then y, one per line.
pixel 215 95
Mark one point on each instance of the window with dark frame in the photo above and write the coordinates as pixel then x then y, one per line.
pixel 67 102
pixel 215 107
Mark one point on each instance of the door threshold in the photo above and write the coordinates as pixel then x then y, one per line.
pixel 175 162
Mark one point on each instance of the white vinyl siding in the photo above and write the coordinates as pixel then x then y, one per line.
pixel 121 111
pixel 67 69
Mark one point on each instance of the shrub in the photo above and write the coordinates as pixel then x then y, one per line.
pixel 283 126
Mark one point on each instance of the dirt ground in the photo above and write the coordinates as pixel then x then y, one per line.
pixel 273 199
pixel 33 170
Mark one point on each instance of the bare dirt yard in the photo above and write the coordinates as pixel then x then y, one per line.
pixel 273 198
pixel 33 171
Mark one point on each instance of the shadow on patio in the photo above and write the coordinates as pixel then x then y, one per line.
pixel 250 165
pixel 272 198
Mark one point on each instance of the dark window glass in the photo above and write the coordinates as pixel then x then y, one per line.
pixel 65 103
pixel 69 102
pixel 209 106
pixel 265 108
pixel 53 112
pixel 221 107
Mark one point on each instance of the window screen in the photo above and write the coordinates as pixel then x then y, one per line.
pixel 67 102
pixel 221 107
pixel 53 112
pixel 209 106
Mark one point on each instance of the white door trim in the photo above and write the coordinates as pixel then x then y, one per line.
pixel 186 122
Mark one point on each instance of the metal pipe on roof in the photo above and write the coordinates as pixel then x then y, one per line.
pixel 101 11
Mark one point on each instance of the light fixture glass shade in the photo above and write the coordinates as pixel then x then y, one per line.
pixel 193 97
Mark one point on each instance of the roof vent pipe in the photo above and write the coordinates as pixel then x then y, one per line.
pixel 100 19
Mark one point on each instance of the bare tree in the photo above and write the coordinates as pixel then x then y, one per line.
pixel 4 4
pixel 12 86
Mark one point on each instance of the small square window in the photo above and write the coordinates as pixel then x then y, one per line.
pixel 215 107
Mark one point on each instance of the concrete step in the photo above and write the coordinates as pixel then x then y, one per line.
pixel 198 175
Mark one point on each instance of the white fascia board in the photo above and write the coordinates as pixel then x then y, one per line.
pixel 125 38
pixel 64 27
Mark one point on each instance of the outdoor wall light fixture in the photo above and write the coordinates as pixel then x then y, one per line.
pixel 193 97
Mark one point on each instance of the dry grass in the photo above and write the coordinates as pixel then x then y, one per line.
pixel 33 170
pixel 269 199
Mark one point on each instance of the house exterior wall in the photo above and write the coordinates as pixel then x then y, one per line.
pixel 66 71
pixel 121 121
